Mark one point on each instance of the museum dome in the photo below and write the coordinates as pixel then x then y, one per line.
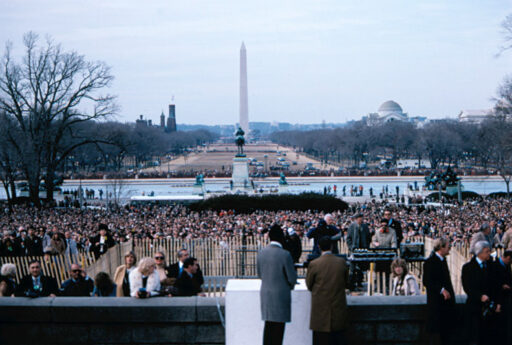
pixel 390 106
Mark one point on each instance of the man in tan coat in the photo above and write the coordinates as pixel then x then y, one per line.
pixel 326 278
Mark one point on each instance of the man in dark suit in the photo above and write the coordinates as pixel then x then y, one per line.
pixel 325 227
pixel 37 285
pixel 440 294
pixel 327 278
pixel 176 269
pixel 22 243
pixel 479 285
pixel 358 237
pixel 503 279
pixel 34 242
pixel 78 285
pixel 293 243
pixel 187 284
pixel 278 277
pixel 102 242
pixel 8 246
pixel 395 225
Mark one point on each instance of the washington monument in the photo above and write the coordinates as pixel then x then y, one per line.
pixel 244 107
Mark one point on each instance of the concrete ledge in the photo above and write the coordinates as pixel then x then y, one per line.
pixel 110 320
pixel 191 320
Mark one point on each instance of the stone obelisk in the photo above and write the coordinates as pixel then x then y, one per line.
pixel 244 106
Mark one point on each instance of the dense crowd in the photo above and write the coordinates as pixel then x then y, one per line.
pixel 149 277
pixel 480 224
pixel 275 171
pixel 31 231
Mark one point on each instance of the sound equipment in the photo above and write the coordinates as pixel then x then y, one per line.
pixel 412 251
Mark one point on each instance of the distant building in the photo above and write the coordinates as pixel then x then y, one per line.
pixel 390 111
pixel 140 122
pixel 162 120
pixel 475 115
pixel 171 120
pixel 413 163
pixel 387 112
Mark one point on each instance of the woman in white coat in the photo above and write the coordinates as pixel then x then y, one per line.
pixel 404 284
pixel 145 281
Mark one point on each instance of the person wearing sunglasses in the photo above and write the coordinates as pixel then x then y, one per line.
pixel 160 266
pixel 79 285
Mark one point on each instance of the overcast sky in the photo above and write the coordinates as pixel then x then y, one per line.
pixel 308 61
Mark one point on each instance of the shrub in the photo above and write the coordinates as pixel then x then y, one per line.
pixel 294 202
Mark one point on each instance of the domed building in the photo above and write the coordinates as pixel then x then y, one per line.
pixel 387 112
pixel 391 111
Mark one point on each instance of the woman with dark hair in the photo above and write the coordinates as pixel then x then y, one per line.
pixel 404 284
pixel 104 286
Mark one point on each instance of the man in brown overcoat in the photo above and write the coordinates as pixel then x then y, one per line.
pixel 326 278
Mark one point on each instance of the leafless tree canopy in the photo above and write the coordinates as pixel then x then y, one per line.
pixel 507 33
pixel 44 99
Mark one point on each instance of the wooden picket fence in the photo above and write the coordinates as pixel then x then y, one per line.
pixel 221 259
pixel 215 286
pixel 232 257
pixel 56 266
pixel 109 261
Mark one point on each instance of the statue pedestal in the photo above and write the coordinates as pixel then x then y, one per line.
pixel 198 189
pixel 283 188
pixel 240 177
pixel 453 190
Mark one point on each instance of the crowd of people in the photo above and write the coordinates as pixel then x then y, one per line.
pixel 486 281
pixel 275 171
pixel 33 232
pixel 480 225
pixel 149 277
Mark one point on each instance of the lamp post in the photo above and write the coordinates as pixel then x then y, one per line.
pixel 80 192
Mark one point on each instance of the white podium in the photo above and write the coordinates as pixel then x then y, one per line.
pixel 243 314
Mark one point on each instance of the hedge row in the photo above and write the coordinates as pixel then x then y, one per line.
pixel 465 195
pixel 293 202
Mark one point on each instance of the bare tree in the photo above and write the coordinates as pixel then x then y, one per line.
pixel 503 107
pixel 48 95
pixel 9 163
pixel 507 34
pixel 499 131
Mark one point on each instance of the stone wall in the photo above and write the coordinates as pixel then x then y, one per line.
pixel 395 320
pixel 192 320
pixel 110 320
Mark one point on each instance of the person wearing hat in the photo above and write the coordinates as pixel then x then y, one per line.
pixel 122 274
pixel 102 242
pixel 278 277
